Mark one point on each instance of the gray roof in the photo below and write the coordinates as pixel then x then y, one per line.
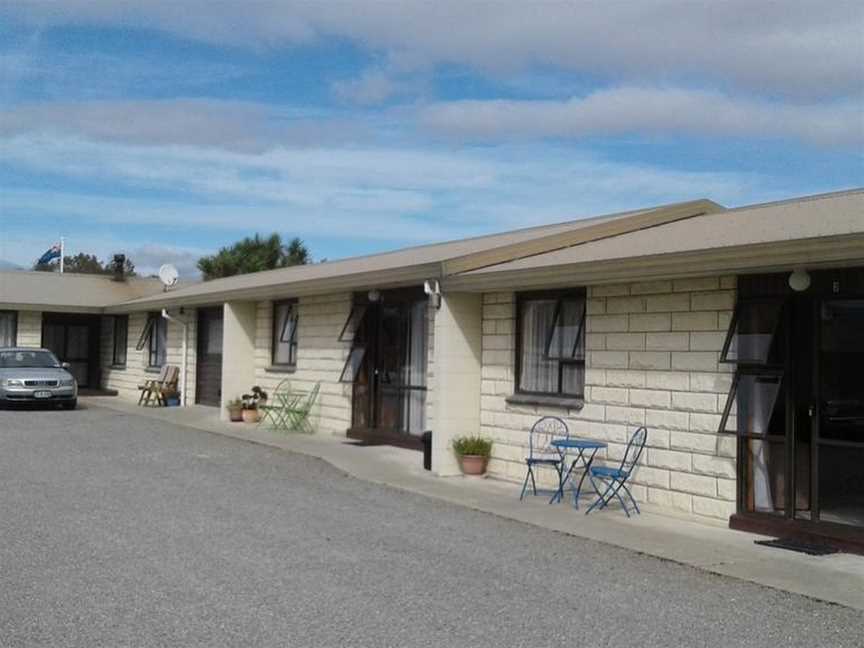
pixel 609 246
pixel 24 290
pixel 827 228
pixel 402 267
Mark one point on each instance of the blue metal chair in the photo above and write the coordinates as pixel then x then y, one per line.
pixel 615 478
pixel 542 453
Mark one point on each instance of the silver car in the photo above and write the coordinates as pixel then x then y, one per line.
pixel 35 376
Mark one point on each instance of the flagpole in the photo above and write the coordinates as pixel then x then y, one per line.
pixel 62 252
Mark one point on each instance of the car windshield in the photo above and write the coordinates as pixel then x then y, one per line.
pixel 28 359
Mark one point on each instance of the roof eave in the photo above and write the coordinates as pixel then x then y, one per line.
pixel 382 279
pixel 625 225
pixel 834 251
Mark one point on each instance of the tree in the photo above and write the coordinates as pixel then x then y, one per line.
pixel 85 264
pixel 254 255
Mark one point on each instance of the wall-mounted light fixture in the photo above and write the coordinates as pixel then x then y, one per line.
pixel 374 296
pixel 432 288
pixel 799 280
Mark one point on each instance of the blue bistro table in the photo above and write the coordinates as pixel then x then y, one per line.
pixel 583 452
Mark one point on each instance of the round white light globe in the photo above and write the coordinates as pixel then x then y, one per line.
pixel 799 280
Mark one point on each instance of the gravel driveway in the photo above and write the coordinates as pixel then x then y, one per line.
pixel 117 530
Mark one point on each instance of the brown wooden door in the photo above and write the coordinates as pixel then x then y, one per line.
pixel 208 389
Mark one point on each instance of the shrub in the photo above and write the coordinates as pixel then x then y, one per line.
pixel 472 445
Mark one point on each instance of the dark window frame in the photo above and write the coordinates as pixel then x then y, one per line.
pixel 14 315
pixel 559 295
pixel 119 353
pixel 277 336
pixel 732 331
pixel 150 339
pixel 758 371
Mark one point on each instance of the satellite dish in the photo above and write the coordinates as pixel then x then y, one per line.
pixel 168 275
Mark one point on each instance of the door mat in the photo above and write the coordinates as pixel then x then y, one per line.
pixel 791 544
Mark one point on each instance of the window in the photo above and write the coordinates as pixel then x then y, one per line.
pixel 284 345
pixel 155 338
pixel 8 328
pixel 751 332
pixel 754 343
pixel 550 343
pixel 121 336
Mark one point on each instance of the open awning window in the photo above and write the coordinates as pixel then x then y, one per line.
pixel 353 364
pixel 754 405
pixel 355 332
pixel 752 331
pixel 288 334
pixel 352 324
pixel 144 340
pixel 565 340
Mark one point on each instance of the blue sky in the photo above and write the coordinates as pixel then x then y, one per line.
pixel 165 130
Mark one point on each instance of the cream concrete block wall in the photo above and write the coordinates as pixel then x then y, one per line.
pixel 458 364
pixel 239 332
pixel 320 357
pixel 126 379
pixel 651 359
pixel 29 329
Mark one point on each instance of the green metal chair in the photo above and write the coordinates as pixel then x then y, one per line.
pixel 275 410
pixel 298 414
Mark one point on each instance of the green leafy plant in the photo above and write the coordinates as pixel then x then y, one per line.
pixel 472 445
pixel 235 404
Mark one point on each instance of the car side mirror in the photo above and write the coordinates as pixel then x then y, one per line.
pixel 65 365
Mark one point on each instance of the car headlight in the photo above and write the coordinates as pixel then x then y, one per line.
pixel 67 382
pixel 14 382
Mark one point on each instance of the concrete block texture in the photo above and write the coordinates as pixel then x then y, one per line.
pixel 651 358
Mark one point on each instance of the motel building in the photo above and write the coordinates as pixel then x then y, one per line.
pixel 736 336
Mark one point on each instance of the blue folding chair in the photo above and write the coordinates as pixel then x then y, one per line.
pixel 615 479
pixel 542 453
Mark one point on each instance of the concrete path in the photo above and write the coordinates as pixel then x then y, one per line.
pixel 123 530
pixel 837 578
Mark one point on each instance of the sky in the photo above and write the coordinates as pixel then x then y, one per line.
pixel 165 130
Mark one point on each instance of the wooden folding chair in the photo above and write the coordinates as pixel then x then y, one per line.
pixel 146 388
pixel 168 386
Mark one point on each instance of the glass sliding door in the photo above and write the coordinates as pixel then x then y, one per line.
pixel 840 441
pixel 797 406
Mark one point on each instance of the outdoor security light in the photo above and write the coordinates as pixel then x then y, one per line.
pixel 799 280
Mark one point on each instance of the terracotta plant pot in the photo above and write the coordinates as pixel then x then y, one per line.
pixel 235 415
pixel 473 464
pixel 250 415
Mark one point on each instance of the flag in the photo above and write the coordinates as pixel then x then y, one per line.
pixel 52 253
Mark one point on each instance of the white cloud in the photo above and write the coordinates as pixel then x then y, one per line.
pixel 370 88
pixel 631 110
pixel 231 125
pixel 149 258
pixel 382 195
pixel 795 48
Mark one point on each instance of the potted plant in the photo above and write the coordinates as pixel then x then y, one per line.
pixel 473 453
pixel 235 410
pixel 250 402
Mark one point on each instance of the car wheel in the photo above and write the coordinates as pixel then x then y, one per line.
pixel 70 405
